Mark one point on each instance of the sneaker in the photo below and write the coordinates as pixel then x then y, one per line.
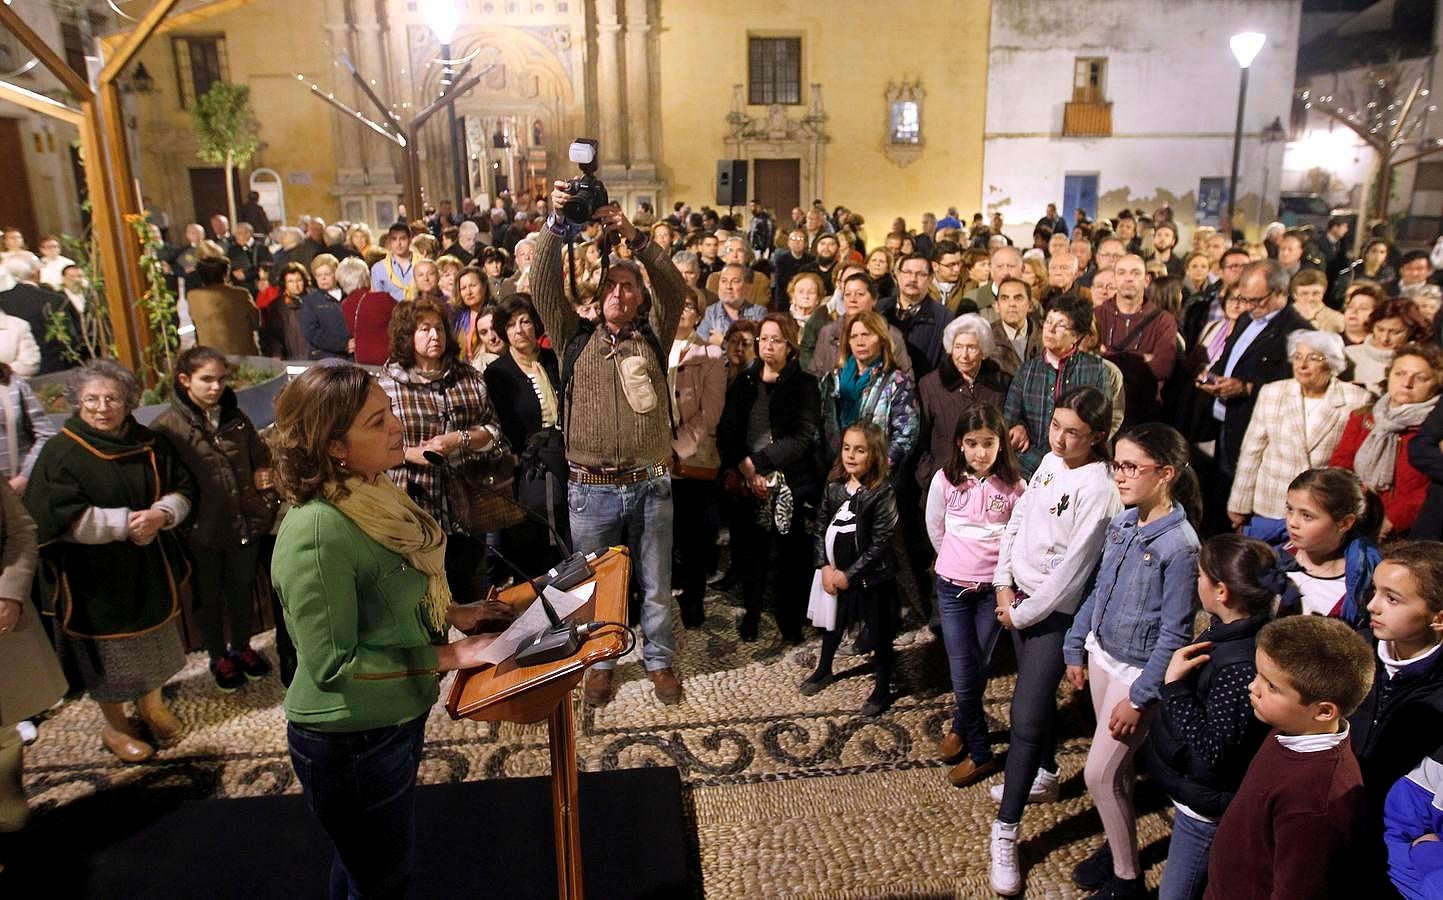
pixel 227 674
pixel 1006 873
pixel 1093 872
pixel 1121 889
pixel 1044 788
pixel 252 663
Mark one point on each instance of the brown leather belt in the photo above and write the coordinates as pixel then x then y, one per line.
pixel 589 475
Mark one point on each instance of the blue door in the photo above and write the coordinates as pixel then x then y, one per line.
pixel 1079 191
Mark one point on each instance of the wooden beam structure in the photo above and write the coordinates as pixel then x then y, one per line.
pixel 114 193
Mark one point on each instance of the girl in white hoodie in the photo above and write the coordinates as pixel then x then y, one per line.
pixel 1051 545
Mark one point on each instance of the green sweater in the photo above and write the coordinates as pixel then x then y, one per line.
pixel 366 652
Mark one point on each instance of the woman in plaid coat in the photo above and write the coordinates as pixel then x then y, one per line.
pixel 444 408
pixel 1295 426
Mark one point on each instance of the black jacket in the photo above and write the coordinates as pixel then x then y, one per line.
pixel 1265 361
pixel 794 414
pixel 36 305
pixel 922 330
pixel 1398 723
pixel 1426 457
pixel 324 326
pixel 515 400
pixel 1201 742
pixel 876 512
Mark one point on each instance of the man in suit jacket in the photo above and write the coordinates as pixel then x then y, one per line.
pixel 1017 331
pixel 1256 354
pixel 28 301
pixel 225 317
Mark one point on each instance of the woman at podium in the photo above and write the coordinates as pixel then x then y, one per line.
pixel 361 574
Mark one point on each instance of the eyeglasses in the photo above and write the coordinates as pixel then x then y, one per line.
pixel 102 402
pixel 1056 325
pixel 1128 469
pixel 1315 359
pixel 1254 301
pixel 768 339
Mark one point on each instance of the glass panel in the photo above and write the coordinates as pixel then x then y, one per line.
pixel 906 124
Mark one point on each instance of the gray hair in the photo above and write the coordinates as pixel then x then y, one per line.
pixel 498 214
pixel 335 234
pixel 243 226
pixel 23 265
pixel 747 255
pixel 997 242
pixel 686 258
pixel 1270 270
pixel 972 324
pixel 1327 343
pixel 103 370
pixel 352 274
pixel 1005 248
pixel 467 227
pixel 529 241
pixel 290 237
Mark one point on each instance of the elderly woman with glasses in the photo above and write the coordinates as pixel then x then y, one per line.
pixel 106 495
pixel 967 376
pixel 1295 426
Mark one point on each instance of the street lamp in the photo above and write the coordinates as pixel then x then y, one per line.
pixel 1245 48
pixel 443 17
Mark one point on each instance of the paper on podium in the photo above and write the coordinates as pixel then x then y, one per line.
pixel 534 619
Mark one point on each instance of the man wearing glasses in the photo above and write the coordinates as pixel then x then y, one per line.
pixel 1256 354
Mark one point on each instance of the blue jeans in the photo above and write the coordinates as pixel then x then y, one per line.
pixel 1185 877
pixel 361 786
pixel 639 517
pixel 969 630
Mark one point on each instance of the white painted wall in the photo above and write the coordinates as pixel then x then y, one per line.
pixel 1173 84
pixel 47 141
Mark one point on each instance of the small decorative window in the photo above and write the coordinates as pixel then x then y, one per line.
pixel 904 121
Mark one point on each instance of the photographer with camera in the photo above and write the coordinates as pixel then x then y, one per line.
pixel 616 406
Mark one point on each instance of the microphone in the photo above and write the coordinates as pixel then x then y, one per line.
pixel 558 640
pixel 565 575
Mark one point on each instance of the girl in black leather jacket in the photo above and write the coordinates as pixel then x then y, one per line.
pixel 853 555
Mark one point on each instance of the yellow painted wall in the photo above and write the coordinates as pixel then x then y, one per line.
pixel 852 49
pixel 267 41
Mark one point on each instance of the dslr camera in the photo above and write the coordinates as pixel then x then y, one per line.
pixel 587 192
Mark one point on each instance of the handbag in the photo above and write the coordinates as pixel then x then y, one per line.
pixel 481 490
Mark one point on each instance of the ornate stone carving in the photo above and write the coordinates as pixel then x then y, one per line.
pixel 903 137
pixel 777 126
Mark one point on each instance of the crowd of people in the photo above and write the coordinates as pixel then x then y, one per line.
pixel 1094 444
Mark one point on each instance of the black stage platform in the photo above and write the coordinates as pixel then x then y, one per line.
pixel 475 839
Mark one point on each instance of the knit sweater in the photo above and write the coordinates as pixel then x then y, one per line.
pixel 1054 538
pixel 1290 831
pixel 602 430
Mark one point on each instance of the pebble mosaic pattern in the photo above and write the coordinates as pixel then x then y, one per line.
pixel 787 795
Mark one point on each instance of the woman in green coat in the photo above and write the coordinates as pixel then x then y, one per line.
pixel 106 495
pixel 361 573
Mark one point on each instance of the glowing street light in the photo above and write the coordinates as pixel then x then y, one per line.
pixel 1245 47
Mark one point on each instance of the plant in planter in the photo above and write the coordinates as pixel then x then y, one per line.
pixel 159 305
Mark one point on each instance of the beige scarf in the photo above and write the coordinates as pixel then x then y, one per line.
pixel 393 520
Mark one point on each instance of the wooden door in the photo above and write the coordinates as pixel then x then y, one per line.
pixel 16 208
pixel 207 189
pixel 778 184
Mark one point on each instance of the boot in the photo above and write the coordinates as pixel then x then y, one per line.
pixel 162 722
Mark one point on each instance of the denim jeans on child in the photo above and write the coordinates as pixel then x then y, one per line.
pixel 1185 877
pixel 638 516
pixel 969 631
pixel 361 786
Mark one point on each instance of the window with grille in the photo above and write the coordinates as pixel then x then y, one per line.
pixel 1089 79
pixel 199 63
pixel 775 70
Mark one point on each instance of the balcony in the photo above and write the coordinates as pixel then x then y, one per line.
pixel 1087 119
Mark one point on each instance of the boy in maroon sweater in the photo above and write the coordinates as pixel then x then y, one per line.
pixel 1293 825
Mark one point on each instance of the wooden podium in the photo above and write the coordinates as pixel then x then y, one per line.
pixel 509 693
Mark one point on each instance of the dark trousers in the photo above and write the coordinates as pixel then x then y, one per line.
pixel 466 567
pixel 285 647
pixel 969 631
pixel 752 546
pixel 361 786
pixel 879 618
pixel 911 546
pixel 1034 710
pixel 694 544
pixel 222 590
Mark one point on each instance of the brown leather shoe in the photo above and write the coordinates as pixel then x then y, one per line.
pixel 967 772
pixel 598 687
pixel 951 749
pixel 163 724
pixel 129 749
pixel 668 689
